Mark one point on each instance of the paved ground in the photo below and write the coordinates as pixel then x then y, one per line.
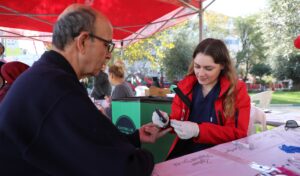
pixel 285 108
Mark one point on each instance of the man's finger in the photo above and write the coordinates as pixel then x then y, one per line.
pixel 151 129
pixel 163 132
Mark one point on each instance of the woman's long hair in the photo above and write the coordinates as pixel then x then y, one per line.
pixel 219 52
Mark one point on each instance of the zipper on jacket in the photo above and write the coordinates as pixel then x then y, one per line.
pixel 220 118
pixel 236 117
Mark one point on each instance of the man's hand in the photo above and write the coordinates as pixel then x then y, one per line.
pixel 185 129
pixel 158 121
pixel 150 132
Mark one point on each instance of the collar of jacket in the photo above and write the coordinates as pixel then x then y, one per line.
pixel 186 85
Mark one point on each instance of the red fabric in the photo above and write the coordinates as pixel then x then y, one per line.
pixel 297 42
pixel 11 70
pixel 122 13
pixel 212 133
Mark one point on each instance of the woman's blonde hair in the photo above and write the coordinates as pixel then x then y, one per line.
pixel 219 52
pixel 117 70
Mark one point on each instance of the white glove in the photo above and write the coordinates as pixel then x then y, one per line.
pixel 158 121
pixel 185 129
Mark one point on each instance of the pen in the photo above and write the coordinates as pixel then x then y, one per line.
pixel 161 117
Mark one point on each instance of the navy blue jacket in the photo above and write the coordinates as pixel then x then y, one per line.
pixel 49 126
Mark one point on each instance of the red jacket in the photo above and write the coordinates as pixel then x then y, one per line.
pixel 211 133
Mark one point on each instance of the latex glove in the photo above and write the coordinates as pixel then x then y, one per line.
pixel 158 121
pixel 185 129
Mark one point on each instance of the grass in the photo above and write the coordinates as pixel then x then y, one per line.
pixel 282 97
pixel 285 97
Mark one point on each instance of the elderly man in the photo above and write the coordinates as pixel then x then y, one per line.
pixel 49 126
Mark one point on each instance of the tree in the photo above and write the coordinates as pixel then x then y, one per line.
pixel 280 24
pixel 153 48
pixel 177 59
pixel 261 70
pixel 252 49
pixel 216 25
pixel 288 67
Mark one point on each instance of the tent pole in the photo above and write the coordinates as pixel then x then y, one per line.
pixel 200 21
pixel 35 47
pixel 122 50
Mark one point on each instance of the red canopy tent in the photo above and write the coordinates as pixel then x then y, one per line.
pixel 129 17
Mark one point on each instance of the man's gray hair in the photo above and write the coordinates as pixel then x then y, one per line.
pixel 70 25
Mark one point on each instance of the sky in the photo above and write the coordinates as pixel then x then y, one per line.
pixel 236 8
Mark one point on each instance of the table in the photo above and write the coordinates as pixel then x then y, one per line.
pixel 277 118
pixel 246 156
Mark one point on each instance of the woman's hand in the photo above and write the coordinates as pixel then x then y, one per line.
pixel 185 129
pixel 158 121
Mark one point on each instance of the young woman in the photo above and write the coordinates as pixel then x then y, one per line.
pixel 122 88
pixel 215 105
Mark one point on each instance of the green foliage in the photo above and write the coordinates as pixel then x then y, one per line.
pixel 216 25
pixel 252 51
pixel 13 51
pixel 261 70
pixel 177 59
pixel 280 25
pixel 288 67
pixel 153 48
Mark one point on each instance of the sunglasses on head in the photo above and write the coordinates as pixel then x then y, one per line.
pixel 291 124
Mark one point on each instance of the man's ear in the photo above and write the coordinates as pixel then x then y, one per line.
pixel 81 42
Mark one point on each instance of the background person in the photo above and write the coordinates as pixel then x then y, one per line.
pixel 2 50
pixel 10 72
pixel 49 125
pixel 121 88
pixel 101 86
pixel 219 103
pixel 2 81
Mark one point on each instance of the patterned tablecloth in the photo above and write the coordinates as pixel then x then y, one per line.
pixel 256 154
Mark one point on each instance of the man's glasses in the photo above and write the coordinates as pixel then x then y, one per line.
pixel 110 45
pixel 291 124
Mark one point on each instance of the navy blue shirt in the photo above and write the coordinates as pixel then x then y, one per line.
pixel 202 110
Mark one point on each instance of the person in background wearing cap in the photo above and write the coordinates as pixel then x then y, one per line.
pixel 10 71
pixel 49 125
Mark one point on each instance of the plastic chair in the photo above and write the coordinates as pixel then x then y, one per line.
pixel 257 116
pixel 263 98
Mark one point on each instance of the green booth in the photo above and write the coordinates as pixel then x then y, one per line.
pixel 129 114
